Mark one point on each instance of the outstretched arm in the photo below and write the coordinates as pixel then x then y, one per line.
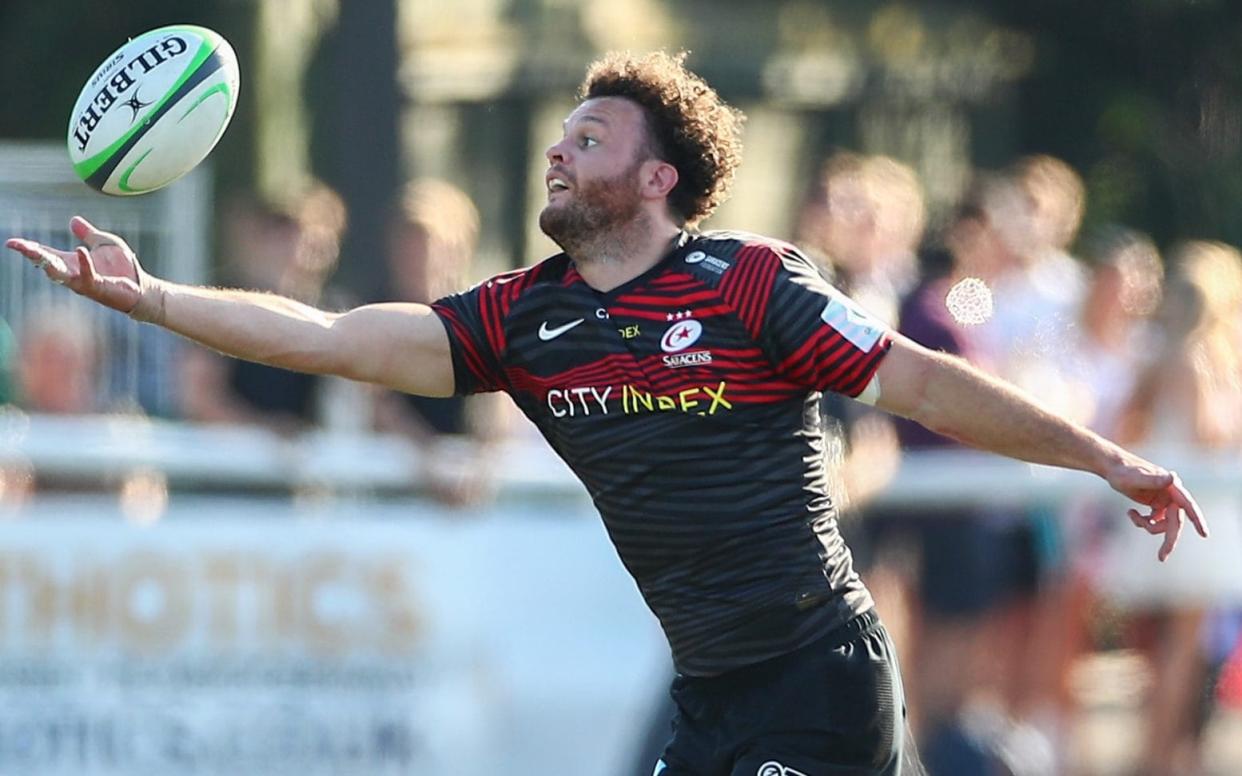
pixel 400 346
pixel 948 396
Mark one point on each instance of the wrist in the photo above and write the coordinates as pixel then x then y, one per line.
pixel 1109 458
pixel 152 297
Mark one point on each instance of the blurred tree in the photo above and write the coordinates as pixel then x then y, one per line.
pixel 354 83
pixel 287 36
pixel 1145 98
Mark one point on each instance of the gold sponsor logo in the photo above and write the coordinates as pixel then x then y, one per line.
pixel 704 400
pixel 594 400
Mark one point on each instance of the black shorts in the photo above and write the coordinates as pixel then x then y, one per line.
pixel 832 708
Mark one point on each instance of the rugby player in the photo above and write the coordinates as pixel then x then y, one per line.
pixel 678 373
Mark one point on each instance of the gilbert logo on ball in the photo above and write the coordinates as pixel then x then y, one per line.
pixel 153 110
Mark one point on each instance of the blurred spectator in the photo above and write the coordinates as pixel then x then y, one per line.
pixel 433 234
pixel 290 249
pixel 1199 323
pixel 1037 288
pixel 984 238
pixel 1187 399
pixel 56 373
pixel 139 373
pixel 1103 357
pixel 1058 199
pixel 862 221
pixel 1106 353
pixel 959 569
pixel 1024 304
pixel 58 363
pixel 1106 349
pixel 58 370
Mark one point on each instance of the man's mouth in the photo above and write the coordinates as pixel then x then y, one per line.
pixel 556 183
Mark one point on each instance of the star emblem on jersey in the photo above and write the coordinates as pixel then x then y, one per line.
pixel 547 334
pixel 136 105
pixel 681 335
pixel 773 768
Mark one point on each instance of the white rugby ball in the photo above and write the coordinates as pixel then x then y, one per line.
pixel 153 110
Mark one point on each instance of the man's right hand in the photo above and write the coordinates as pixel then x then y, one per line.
pixel 105 270
pixel 403 346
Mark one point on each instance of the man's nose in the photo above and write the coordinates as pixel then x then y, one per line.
pixel 556 153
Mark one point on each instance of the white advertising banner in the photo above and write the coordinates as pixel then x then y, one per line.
pixel 246 636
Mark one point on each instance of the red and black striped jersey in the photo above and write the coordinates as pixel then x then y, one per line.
pixel 687 401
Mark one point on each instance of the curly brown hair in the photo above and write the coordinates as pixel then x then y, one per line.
pixel 688 125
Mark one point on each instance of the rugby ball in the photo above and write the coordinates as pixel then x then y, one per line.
pixel 153 110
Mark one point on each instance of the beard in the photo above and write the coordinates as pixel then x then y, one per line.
pixel 594 215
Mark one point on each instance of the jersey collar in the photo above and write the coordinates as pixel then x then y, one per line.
pixel 677 249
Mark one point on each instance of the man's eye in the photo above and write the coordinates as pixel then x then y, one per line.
pixel 588 141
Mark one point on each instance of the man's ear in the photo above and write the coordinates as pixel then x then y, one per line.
pixel 659 178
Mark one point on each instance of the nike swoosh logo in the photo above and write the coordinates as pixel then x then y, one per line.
pixel 546 334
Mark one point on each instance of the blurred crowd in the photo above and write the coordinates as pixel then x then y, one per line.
pixel 993 608
pixel 58 361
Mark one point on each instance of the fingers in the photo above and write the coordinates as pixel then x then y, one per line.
pixel 1184 499
pixel 1197 519
pixel 1173 529
pixel 52 262
pixel 1179 503
pixel 27 248
pixel 85 231
pixel 1148 524
pixel 1168 514
pixel 86 267
pixel 92 237
pixel 1168 523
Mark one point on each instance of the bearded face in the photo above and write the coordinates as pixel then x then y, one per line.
pixel 589 209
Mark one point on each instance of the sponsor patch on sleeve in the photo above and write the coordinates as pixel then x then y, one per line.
pixel 852 322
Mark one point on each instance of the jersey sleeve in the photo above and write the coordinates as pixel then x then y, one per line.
pixel 474 320
pixel 812 333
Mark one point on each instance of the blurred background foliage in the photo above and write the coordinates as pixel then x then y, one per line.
pixel 1143 97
